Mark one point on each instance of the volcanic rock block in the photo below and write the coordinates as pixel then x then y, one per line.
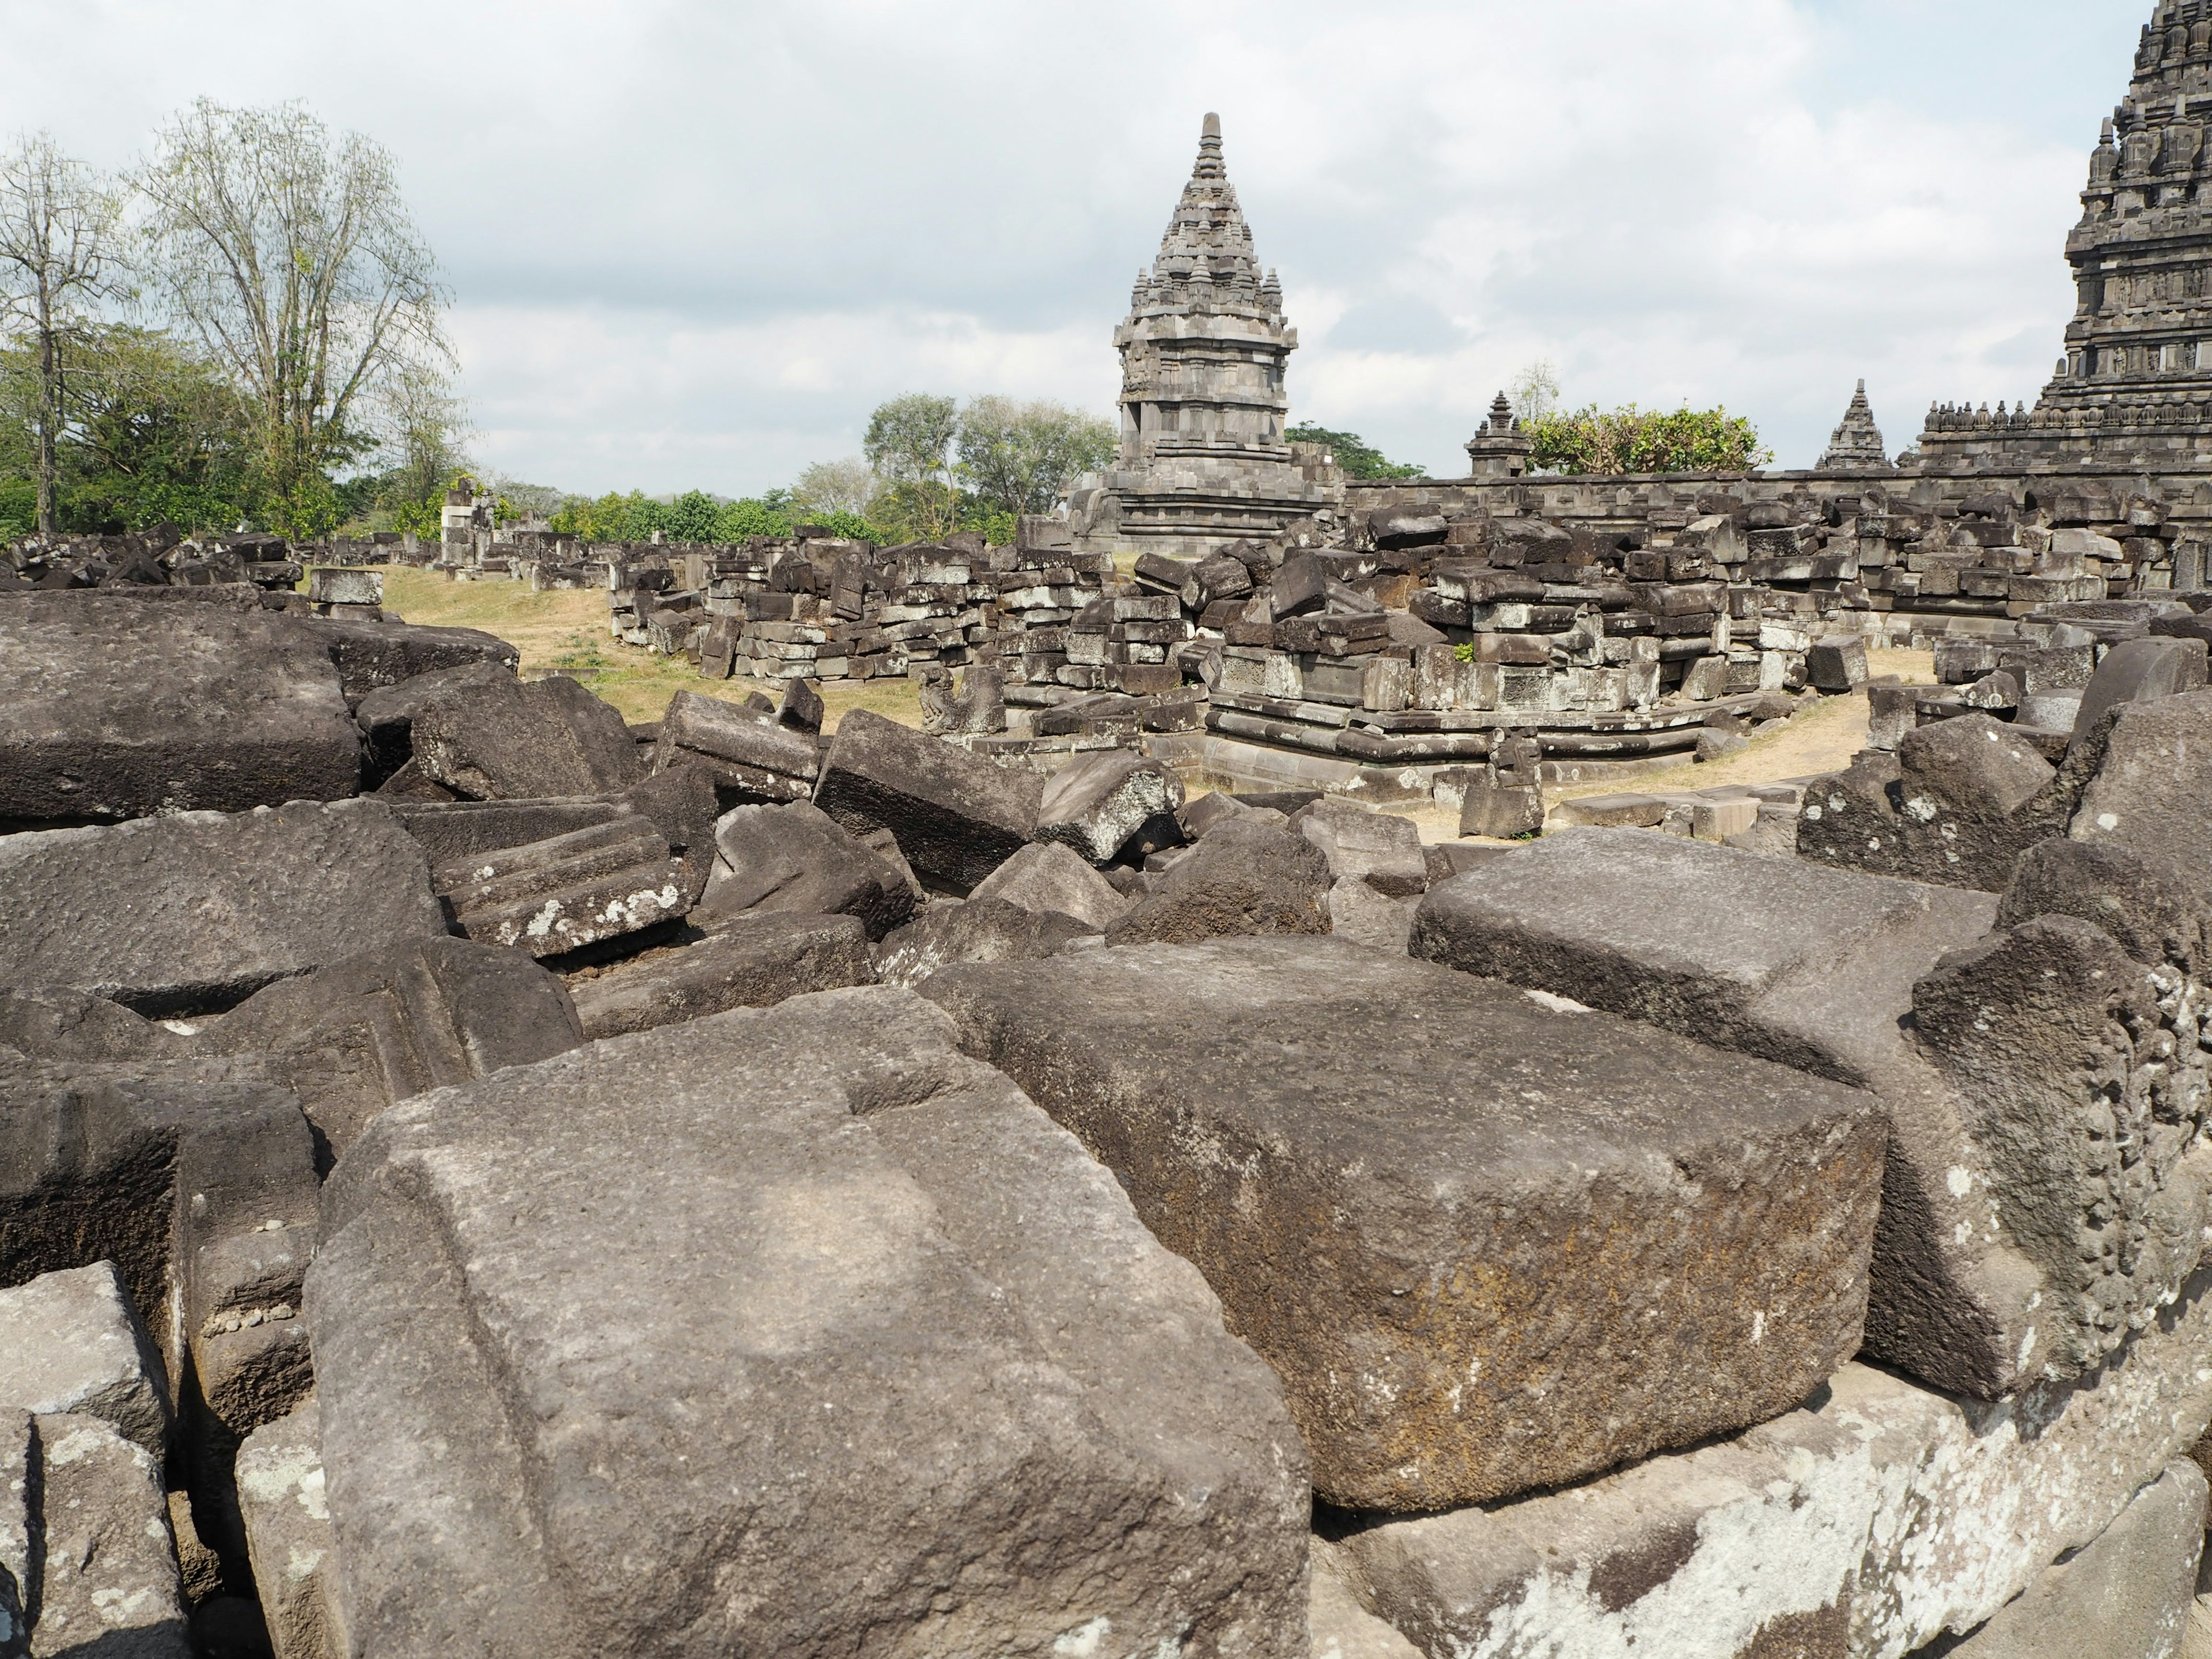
pixel 1503 812
pixel 71 1342
pixel 2153 791
pixel 750 752
pixel 1380 848
pixel 1097 802
pixel 2018 1239
pixel 749 961
pixel 554 896
pixel 979 930
pixel 798 858
pixel 1244 877
pixel 1356 912
pixel 957 818
pixel 1342 1628
pixel 1049 876
pixel 2128 1593
pixel 1838 663
pixel 539 1439
pixel 1870 1522
pixel 2156 911
pixel 380 1028
pixel 288 1539
pixel 192 913
pixel 452 829
pixel 51 1022
pixel 387 715
pixel 373 654
pixel 2138 671
pixel 515 739
pixel 801 709
pixel 99 1533
pixel 1465 1294
pixel 116 707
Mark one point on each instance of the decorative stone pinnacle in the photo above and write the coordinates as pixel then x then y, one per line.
pixel 1209 151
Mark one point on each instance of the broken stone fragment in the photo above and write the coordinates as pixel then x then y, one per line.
pixel 387 715
pixel 1097 802
pixel 2153 790
pixel 552 896
pixel 1244 877
pixel 751 752
pixel 1050 877
pixel 749 961
pixel 71 1342
pixel 1466 1295
pixel 190 913
pixel 107 1576
pixel 2140 671
pixel 797 858
pixel 957 817
pixel 288 1530
pixel 979 930
pixel 513 739
pixel 1380 848
pixel 1016 1436
pixel 1356 912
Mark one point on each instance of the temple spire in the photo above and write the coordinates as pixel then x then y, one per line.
pixel 1209 151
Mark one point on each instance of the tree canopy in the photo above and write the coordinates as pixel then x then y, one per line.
pixel 1630 440
pixel 1359 458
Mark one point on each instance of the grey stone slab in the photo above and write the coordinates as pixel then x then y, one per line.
pixel 979 930
pixel 798 858
pixel 1049 875
pixel 71 1342
pixel 287 1529
pixel 749 961
pixel 802 1334
pixel 54 1023
pixel 1242 878
pixel 113 708
pixel 957 817
pixel 107 1583
pixel 385 1026
pixel 461 829
pixel 185 914
pixel 370 655
pixel 1096 803
pixel 1380 848
pixel 1341 1627
pixel 1356 912
pixel 1487 1245
pixel 1975 1283
pixel 552 896
pixel 513 739
pixel 2152 792
pixel 387 715
pixel 1871 1521
pixel 737 743
pixel 2139 670
pixel 2128 1593
pixel 19 1528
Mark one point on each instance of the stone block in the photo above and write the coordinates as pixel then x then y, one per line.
pixel 552 896
pixel 957 817
pixel 387 715
pixel 750 960
pixel 1465 1298
pixel 183 914
pixel 371 655
pixel 750 752
pixel 797 858
pixel 282 1496
pixel 2138 671
pixel 1873 1520
pixel 513 739
pixel 1050 877
pixel 1097 802
pixel 48 1022
pixel 978 930
pixel 1722 820
pixel 453 830
pixel 1705 679
pixel 385 1026
pixel 2151 792
pixel 1836 663
pixel 1244 877
pixel 1503 812
pixel 1359 913
pixel 1892 711
pixel 107 1570
pixel 537 1439
pixel 114 707
pixel 1380 848
pixel 71 1342
pixel 2004 1090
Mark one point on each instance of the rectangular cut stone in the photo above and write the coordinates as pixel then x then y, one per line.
pixel 108 1582
pixel 71 1342
pixel 1488 1245
pixel 734 740
pixel 187 913
pixel 286 1515
pixel 1867 1523
pixel 749 960
pixel 1979 1285
pixel 957 817
pixel 115 706
pixel 552 896
pixel 801 1334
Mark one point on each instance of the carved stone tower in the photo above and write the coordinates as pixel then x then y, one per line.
pixel 1203 460
pixel 1857 446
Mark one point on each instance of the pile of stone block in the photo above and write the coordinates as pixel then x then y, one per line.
pixel 733 1187
pixel 158 557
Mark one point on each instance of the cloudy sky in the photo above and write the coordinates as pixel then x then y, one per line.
pixel 692 243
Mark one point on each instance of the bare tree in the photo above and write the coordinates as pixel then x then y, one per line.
pixel 290 253
pixel 57 261
pixel 836 486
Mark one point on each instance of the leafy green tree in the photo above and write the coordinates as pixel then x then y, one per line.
pixel 1629 440
pixel 1535 391
pixel 909 444
pixel 1359 458
pixel 155 434
pixel 1021 457
pixel 693 516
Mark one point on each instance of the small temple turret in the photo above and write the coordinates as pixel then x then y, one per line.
pixel 1857 445
pixel 1499 449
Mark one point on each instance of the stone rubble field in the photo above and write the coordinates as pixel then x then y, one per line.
pixel 480 1178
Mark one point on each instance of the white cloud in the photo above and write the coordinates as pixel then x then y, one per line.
pixel 694 242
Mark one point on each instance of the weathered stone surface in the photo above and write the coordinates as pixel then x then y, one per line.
pixel 2128 1593
pixel 1341 1627
pixel 507 740
pixel 2138 671
pixel 185 914
pixel 1503 812
pixel 2002 1086
pixel 2156 911
pixel 108 1582
pixel 797 858
pixel 1466 1295
pixel 957 818
pixel 1244 877
pixel 52 1023
pixel 1867 1523
pixel 1097 802
pixel 750 960
pixel 1380 848
pixel 556 895
pixel 287 1531
pixel 71 1342
pixel 373 654
pixel 979 930
pixel 751 752
pixel 537 1439
pixel 1049 875
pixel 387 715
pixel 453 830
pixel 2152 792
pixel 1356 912
pixel 112 707
pixel 385 1026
